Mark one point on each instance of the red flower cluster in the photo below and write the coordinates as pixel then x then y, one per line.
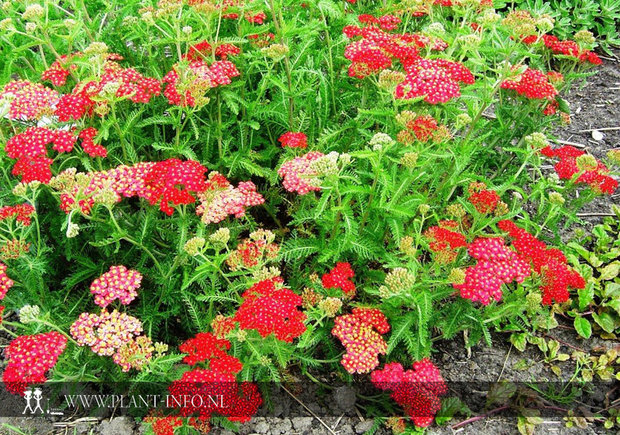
pixel 203 51
pixel 29 101
pixel 444 241
pixel 261 39
pixel 221 199
pixel 187 86
pixel 376 49
pixel 173 181
pixel 22 211
pixel 298 173
pixel 385 22
pixel 29 357
pixel 293 140
pixel 360 334
pixel 567 167
pixel 483 199
pixel 241 400
pixel 532 84
pixel 5 282
pixel 88 144
pixel 549 263
pixel 437 80
pixel 270 308
pixel 117 283
pixel 340 277
pixel 206 347
pixel 417 390
pixel 30 148
pixel 497 264
pixel 570 48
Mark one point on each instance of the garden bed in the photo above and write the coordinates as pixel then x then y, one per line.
pixel 322 217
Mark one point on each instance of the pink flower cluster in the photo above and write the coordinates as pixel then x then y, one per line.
pixel 117 283
pixel 29 101
pixel 417 390
pixel 221 199
pixel 106 332
pixel 298 174
pixel 29 358
pixel 497 265
pixel 5 282
pixel 187 87
pixel 360 334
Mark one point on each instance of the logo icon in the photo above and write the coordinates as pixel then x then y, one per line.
pixel 36 396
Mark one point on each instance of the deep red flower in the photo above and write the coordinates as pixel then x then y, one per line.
pixel 550 263
pixel 270 308
pixel 22 212
pixel 29 358
pixel 340 277
pixel 293 140
pixel 532 84
pixel 417 390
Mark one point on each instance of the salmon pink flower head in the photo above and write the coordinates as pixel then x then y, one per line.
pixel 417 390
pixel 298 174
pixel 270 308
pixel 106 332
pixel 497 265
pixel 221 199
pixel 293 140
pixel 360 334
pixel 550 264
pixel 29 358
pixel 28 101
pixel 117 283
pixel 437 80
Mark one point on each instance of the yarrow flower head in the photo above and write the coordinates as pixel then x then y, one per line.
pixel 293 140
pixel 360 334
pixel 29 101
pixel 134 354
pixel 255 251
pixel 299 175
pixel 417 390
pixel 437 80
pixel 21 212
pixel 550 264
pixel 221 199
pixel 29 358
pixel 117 283
pixel 592 172
pixel 340 277
pixel 270 308
pixel 532 84
pixel 497 265
pixel 444 241
pixel 106 332
pixel 484 200
pixel 204 347
pixel 5 282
